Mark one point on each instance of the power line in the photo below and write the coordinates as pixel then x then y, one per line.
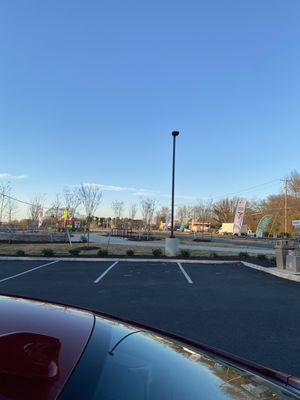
pixel 245 190
pixel 22 201
pixel 211 198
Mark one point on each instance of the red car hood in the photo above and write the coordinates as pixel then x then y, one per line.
pixel 40 344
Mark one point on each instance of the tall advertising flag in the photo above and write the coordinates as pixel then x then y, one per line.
pixel 168 222
pixel 239 216
pixel 40 212
pixel 263 225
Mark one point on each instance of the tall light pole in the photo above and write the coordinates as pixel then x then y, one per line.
pixel 174 134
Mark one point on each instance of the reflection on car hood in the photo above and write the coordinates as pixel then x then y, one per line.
pixel 189 372
pixel 132 363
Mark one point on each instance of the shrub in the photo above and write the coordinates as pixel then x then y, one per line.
pixel 185 253
pixel 48 252
pixel 157 252
pixel 272 261
pixel 261 257
pixel 213 255
pixel 243 254
pixel 74 252
pixel 20 253
pixel 130 252
pixel 102 252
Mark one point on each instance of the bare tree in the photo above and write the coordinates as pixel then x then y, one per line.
pixel 132 213
pixel 223 210
pixel 11 209
pixel 184 212
pixel 294 184
pixel 90 197
pixel 5 190
pixel 72 199
pixel 117 207
pixel 202 212
pixel 35 211
pixel 55 212
pixel 148 207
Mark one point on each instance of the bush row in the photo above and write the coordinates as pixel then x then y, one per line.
pixel 158 252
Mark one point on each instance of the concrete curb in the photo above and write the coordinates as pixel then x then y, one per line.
pixel 274 271
pixel 135 260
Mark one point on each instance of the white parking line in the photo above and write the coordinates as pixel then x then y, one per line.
pixel 29 270
pixel 105 272
pixel 184 273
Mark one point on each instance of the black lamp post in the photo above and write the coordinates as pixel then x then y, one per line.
pixel 174 134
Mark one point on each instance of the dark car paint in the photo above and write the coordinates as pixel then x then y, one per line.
pixel 78 324
pixel 69 330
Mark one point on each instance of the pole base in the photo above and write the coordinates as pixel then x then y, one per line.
pixel 171 247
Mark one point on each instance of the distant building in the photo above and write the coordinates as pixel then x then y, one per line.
pixel 197 226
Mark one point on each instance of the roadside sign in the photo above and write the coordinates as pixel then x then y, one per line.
pixel 296 222
pixel 69 224
pixel 65 214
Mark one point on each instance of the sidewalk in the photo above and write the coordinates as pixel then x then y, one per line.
pixel 94 238
pixel 281 273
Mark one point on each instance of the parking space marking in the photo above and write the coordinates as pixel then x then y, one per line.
pixel 184 273
pixel 29 270
pixel 105 272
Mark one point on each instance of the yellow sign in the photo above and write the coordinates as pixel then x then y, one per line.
pixel 65 214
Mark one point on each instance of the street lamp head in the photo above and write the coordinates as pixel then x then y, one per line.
pixel 175 133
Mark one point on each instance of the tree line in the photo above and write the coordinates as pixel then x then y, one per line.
pixel 88 198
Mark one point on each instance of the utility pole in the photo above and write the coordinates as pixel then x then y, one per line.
pixel 285 207
pixel 285 180
pixel 174 134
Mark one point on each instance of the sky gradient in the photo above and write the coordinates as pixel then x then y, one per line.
pixel 90 92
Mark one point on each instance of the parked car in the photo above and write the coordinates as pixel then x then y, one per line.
pixel 251 234
pixel 51 351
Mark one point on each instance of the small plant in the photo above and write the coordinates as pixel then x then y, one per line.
pixel 157 252
pixel 48 252
pixel 213 255
pixel 130 252
pixel 20 253
pixel 74 252
pixel 102 252
pixel 243 254
pixel 261 257
pixel 185 253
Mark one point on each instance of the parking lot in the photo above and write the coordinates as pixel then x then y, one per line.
pixel 227 305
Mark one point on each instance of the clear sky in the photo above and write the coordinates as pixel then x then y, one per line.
pixel 90 91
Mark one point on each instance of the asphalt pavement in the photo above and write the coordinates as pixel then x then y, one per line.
pixel 238 309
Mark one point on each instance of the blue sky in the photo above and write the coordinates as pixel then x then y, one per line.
pixel 90 91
